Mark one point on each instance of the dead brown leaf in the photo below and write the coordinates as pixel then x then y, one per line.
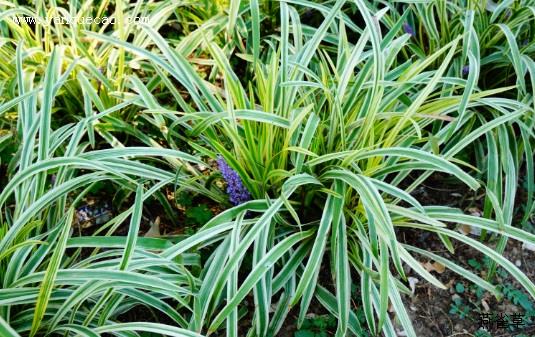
pixel 435 266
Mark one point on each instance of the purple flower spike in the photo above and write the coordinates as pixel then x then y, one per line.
pixel 237 193
pixel 408 29
pixel 466 70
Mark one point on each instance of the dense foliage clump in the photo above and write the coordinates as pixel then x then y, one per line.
pixel 238 168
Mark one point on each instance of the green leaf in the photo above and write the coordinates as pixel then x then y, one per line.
pixel 6 330
pixel 51 273
pixel 200 215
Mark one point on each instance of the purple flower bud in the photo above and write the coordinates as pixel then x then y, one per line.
pixel 237 193
pixel 466 70
pixel 408 29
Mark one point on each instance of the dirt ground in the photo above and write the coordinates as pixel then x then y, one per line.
pixel 429 307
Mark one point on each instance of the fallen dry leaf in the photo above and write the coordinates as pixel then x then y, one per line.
pixel 464 229
pixel 467 229
pixel 450 283
pixel 474 211
pixel 485 305
pixel 439 267
pixel 154 231
pixel 435 266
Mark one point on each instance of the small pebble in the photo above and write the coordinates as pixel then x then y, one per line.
pixel 412 284
pixel 518 263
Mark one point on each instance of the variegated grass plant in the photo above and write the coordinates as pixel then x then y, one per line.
pixel 329 134
pixel 323 136
pixel 498 52
pixel 55 281
pixel 99 73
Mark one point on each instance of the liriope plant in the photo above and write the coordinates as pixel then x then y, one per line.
pixel 498 51
pixel 54 281
pixel 99 71
pixel 324 137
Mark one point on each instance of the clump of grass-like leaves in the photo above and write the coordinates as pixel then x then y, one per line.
pixel 327 130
